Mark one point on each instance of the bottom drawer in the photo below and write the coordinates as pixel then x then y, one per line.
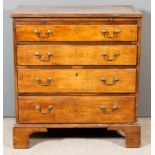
pixel 76 109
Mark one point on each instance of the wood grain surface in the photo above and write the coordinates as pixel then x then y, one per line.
pixel 77 80
pixel 22 132
pixel 77 11
pixel 21 136
pixel 76 109
pixel 77 55
pixel 76 32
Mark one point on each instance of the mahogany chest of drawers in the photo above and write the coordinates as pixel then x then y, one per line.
pixel 76 67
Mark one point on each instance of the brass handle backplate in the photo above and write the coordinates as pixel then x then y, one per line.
pixel 39 110
pixel 44 59
pixel 108 58
pixel 114 81
pixel 46 35
pixel 76 101
pixel 47 83
pixel 114 108
pixel 106 34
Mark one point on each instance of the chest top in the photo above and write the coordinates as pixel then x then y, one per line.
pixel 76 11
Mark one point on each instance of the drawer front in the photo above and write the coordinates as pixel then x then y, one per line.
pixel 76 55
pixel 76 80
pixel 76 109
pixel 76 32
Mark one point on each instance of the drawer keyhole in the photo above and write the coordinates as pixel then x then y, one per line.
pixel 76 74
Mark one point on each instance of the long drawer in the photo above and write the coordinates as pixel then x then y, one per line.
pixel 76 32
pixel 76 55
pixel 76 80
pixel 76 109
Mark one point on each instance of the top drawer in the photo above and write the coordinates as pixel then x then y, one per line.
pixel 76 32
